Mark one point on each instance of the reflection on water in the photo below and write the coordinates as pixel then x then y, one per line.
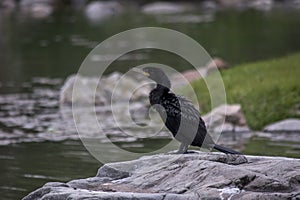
pixel 55 46
pixel 27 166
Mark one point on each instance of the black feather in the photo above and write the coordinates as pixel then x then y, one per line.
pixel 179 114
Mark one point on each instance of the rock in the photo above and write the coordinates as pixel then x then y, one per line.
pixel 209 5
pixel 194 74
pixel 216 63
pixel 164 8
pixel 97 11
pixel 8 4
pixel 103 95
pixel 187 76
pixel 263 5
pixel 294 3
pixel 284 126
pixel 229 3
pixel 188 176
pixel 37 8
pixel 230 114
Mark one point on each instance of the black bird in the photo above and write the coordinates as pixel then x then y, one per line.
pixel 179 114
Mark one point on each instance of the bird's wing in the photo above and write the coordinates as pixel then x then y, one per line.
pixel 176 105
pixel 183 119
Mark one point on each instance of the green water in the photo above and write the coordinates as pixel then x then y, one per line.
pixel 57 45
pixel 49 48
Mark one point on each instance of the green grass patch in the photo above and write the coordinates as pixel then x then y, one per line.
pixel 268 91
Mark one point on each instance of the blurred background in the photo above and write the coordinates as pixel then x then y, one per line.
pixel 42 42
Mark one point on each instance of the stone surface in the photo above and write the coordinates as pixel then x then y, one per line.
pixel 189 176
pixel 284 126
pixel 96 11
pixel 216 63
pixel 231 115
pixel 108 90
pixel 164 8
pixel 37 8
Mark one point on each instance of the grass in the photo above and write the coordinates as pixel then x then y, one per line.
pixel 268 91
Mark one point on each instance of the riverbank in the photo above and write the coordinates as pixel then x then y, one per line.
pixel 268 91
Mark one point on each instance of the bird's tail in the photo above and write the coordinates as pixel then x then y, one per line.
pixel 225 149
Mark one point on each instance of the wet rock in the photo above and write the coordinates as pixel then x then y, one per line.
pixel 230 3
pixel 106 93
pixel 209 5
pixel 8 4
pixel 294 3
pixel 244 4
pixel 263 5
pixel 164 8
pixel 97 11
pixel 231 115
pixel 37 8
pixel 188 176
pixel 284 126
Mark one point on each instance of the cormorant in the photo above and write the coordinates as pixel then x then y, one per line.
pixel 179 114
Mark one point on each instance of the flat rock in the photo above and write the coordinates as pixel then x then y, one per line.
pixel 284 126
pixel 189 176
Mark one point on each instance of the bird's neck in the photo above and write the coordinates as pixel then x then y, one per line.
pixel 157 93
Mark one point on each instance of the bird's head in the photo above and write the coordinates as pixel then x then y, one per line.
pixel 157 75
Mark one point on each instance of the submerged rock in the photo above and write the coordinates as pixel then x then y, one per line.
pixel 188 176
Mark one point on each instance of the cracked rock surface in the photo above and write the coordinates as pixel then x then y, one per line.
pixel 189 176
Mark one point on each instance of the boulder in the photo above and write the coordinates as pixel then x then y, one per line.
pixel 284 126
pixel 96 11
pixel 8 4
pixel 189 176
pixel 231 115
pixel 103 95
pixel 216 63
pixel 263 5
pixel 164 8
pixel 178 80
pixel 37 8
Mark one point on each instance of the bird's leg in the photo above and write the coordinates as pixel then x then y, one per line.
pixel 183 148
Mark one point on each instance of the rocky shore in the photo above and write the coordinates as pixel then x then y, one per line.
pixel 190 176
pixel 99 10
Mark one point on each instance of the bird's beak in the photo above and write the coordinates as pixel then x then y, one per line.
pixel 140 71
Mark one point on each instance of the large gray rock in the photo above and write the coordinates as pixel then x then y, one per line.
pixel 189 176
pixel 226 118
pixel 284 126
pixel 106 88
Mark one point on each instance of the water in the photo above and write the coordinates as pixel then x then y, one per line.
pixel 36 55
